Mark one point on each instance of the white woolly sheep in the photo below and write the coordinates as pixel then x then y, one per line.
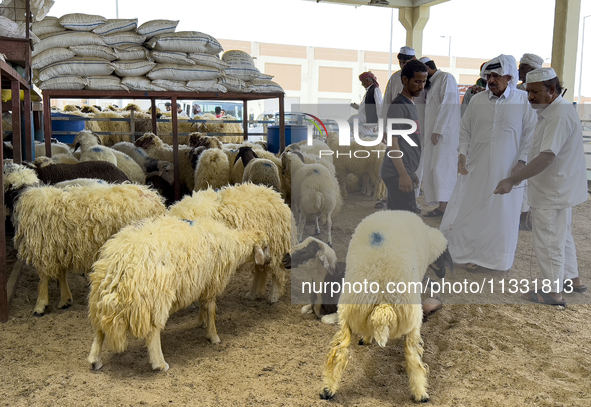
pixel 91 148
pixel 386 247
pixel 261 171
pixel 354 159
pixel 156 148
pixel 213 169
pixel 248 206
pixel 56 148
pixel 314 191
pixel 149 165
pixel 60 230
pixel 128 165
pixel 64 159
pixel 315 149
pixel 154 268
pixel 237 172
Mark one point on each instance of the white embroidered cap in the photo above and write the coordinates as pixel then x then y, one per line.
pixel 540 75
pixel 407 51
pixel 425 60
pixel 532 60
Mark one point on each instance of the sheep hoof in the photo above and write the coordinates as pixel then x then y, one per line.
pixel 423 399
pixel 96 365
pixel 65 306
pixel 326 394
pixel 361 342
pixel 330 244
pixel 306 309
pixel 215 340
pixel 251 296
pixel 162 368
pixel 316 232
pixel 40 312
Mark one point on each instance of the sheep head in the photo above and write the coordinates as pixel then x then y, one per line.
pixel 147 140
pixel 312 248
pixel 442 263
pixel 440 258
pixel 86 137
pixel 246 154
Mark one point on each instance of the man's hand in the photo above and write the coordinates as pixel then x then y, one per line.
pixel 435 138
pixel 518 167
pixel 462 164
pixel 504 187
pixel 477 89
pixel 405 184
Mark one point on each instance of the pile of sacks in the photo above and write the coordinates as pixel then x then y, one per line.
pixel 81 51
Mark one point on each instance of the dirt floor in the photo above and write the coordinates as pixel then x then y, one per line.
pixel 511 354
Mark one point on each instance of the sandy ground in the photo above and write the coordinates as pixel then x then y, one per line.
pixel 479 354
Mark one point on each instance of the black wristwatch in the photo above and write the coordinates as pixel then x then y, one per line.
pixel 522 162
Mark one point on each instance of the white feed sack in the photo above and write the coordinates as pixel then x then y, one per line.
pixel 97 51
pixel 141 83
pixel 176 72
pixel 235 84
pixel 131 52
pixel 47 26
pixel 81 22
pixel 206 86
pixel 105 82
pixel 133 68
pixel 209 60
pixel 174 86
pixel 115 26
pixel 77 66
pixel 167 57
pixel 8 28
pixel 241 65
pixel 265 86
pixel 50 56
pixel 64 82
pixel 66 39
pixel 123 38
pixel 156 27
pixel 185 41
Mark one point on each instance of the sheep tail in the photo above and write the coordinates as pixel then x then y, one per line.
pixel 318 200
pixel 382 318
pixel 336 360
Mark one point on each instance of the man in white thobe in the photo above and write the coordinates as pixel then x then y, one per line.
pixel 441 138
pixel 370 106
pixel 557 182
pixel 394 86
pixel 495 139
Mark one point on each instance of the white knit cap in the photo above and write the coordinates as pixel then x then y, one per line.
pixel 532 60
pixel 425 60
pixel 540 75
pixel 407 51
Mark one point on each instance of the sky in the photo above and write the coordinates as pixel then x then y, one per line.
pixel 475 28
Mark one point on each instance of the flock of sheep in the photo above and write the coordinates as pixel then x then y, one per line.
pixel 147 256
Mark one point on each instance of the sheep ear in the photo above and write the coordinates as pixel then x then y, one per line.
pixel 325 263
pixel 259 256
pixel 98 138
pixel 287 261
pixel 76 146
pixel 443 263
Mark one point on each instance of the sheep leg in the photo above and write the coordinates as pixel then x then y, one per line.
pixel 155 351
pixel 95 351
pixel 416 369
pixel 301 225
pixel 259 284
pixel 211 332
pixel 336 361
pixel 317 231
pixel 342 178
pixel 43 295
pixel 65 293
pixel 202 319
pixel 277 284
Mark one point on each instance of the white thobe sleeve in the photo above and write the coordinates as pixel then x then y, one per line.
pixel 387 100
pixel 447 108
pixel 466 130
pixel 529 125
pixel 379 100
pixel 556 133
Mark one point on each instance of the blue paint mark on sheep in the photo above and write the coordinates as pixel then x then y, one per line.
pixel 266 165
pixel 376 239
pixel 316 171
pixel 190 222
pixel 96 149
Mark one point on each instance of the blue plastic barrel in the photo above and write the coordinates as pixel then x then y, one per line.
pixel 293 134
pixel 71 125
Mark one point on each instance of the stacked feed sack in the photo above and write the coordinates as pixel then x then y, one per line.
pixel 243 76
